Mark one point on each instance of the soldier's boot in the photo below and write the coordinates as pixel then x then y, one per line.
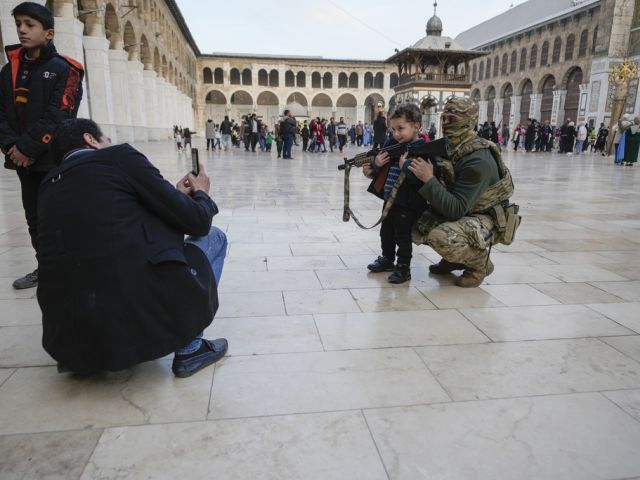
pixel 444 267
pixel 472 278
pixel 401 274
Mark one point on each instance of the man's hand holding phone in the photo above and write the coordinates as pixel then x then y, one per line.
pixel 195 180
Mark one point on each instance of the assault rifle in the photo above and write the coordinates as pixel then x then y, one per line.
pixel 430 150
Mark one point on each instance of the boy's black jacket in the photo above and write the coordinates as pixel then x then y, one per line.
pixel 54 96
pixel 408 196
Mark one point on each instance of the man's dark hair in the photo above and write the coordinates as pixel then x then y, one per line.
pixel 69 136
pixel 409 111
pixel 286 112
pixel 36 11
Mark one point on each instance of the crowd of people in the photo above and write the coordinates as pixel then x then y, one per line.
pixel 538 136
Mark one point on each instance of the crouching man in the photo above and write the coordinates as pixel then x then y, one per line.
pixel 469 208
pixel 119 283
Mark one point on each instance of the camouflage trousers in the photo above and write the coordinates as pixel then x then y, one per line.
pixel 461 241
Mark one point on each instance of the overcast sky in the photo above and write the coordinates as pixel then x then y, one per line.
pixel 353 29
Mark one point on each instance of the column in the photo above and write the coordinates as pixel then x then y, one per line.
pixel 582 105
pixel 151 102
pixel 136 97
pixel 497 111
pixel 96 48
pixel 557 110
pixel 514 116
pixel 68 41
pixel 536 105
pixel 483 107
pixel 118 70
pixel 161 119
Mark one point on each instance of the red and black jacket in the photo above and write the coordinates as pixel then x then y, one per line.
pixel 55 91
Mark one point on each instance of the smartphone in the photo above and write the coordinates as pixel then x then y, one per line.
pixel 195 163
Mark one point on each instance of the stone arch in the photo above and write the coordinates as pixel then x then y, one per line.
pixel 218 76
pixel 263 78
pixel 145 53
pixel 343 80
pixel 289 79
pixel 347 100
pixel 298 104
pixel 526 89
pixel 347 108
pixel 571 83
pixel 327 80
pixel 299 98
pixel 475 95
pixel 207 75
pixel 488 90
pixel 247 77
pixel 267 97
pixel 373 104
pixel 378 80
pixel 353 80
pixel 240 97
pixel 215 97
pixel 274 78
pixel 234 76
pixel 322 100
pixel 316 80
pixel 131 45
pixel 301 79
pixel 547 86
pixel 112 27
pixel 368 80
pixel 506 94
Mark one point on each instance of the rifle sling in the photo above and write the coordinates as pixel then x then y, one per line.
pixel 348 213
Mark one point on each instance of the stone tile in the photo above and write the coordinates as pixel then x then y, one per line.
pixel 515 369
pixel 542 322
pixel 320 382
pixel 301 302
pixel 573 258
pixel 625 314
pixel 519 274
pixel 245 264
pixel 306 249
pixel 20 312
pixel 518 258
pixel 533 438
pixel 314 447
pixel 520 246
pixel 54 456
pixel 22 347
pixel 287 236
pixel 390 299
pixel 628 400
pixel 518 295
pixel 396 329
pixel 253 304
pixel 41 400
pixel 359 262
pixel 260 335
pixel 575 293
pixel 629 345
pixel 259 250
pixel 315 262
pixel 455 297
pixel 268 281
pixel 629 291
pixel 580 273
pixel 4 374
pixel 332 279
pixel 7 292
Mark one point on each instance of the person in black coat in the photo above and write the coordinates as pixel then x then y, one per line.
pixel 119 284
pixel 379 131
pixel 38 90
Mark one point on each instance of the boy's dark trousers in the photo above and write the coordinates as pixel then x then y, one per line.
pixel 396 230
pixel 30 183
pixel 305 143
pixel 279 145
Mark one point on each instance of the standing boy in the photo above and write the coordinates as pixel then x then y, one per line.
pixel 38 90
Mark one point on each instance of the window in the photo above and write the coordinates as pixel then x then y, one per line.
pixel 234 76
pixel 393 80
pixel 568 52
pixel 316 80
pixel 246 77
pixel 496 64
pixel 595 39
pixel 289 79
pixel 218 76
pixel 544 54
pixel 378 81
pixel 301 79
pixel 207 75
pixel 343 80
pixel 557 46
pixel 584 39
pixel 327 80
pixel 368 80
pixel 474 72
pixel 514 61
pixel 263 78
pixel 488 69
pixel 523 59
pixel 274 78
pixel 481 73
pixel 533 59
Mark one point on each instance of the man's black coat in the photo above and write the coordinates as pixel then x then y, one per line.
pixel 117 284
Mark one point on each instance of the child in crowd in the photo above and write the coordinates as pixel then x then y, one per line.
pixel 395 230
pixel 218 137
pixel 268 141
pixel 178 139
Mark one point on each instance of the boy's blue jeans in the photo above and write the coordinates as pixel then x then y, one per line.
pixel 214 247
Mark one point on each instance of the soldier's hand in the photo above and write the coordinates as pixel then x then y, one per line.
pixel 422 169
pixel 382 159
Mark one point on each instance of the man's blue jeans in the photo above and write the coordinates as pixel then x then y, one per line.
pixel 288 143
pixel 214 247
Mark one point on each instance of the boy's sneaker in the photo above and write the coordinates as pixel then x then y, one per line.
pixel 30 280
pixel 401 274
pixel 381 264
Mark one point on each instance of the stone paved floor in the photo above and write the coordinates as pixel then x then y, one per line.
pixel 335 374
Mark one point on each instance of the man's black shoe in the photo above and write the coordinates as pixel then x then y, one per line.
pixel 381 264
pixel 401 274
pixel 209 352
pixel 30 280
pixel 444 267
